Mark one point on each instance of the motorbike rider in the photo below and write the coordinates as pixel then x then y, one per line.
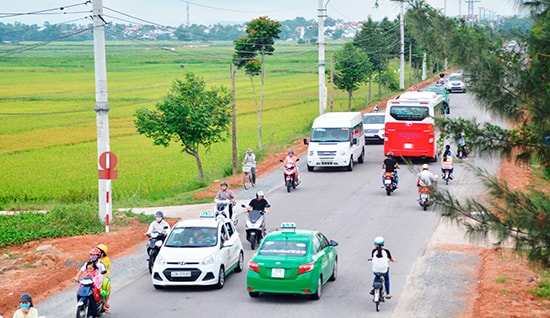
pixel 225 193
pixel 381 258
pixel 447 162
pixel 424 178
pixel 93 272
pixel 250 160
pixel 390 165
pixel 461 141
pixel 290 159
pixel 260 204
pixel 106 284
pixel 27 310
pixel 158 225
pixel 94 258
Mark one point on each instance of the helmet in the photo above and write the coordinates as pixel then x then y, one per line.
pixel 390 154
pixel 425 166
pixel 103 248
pixel 159 213
pixel 259 193
pixel 95 251
pixel 379 240
pixel 223 183
pixel 249 150
pixel 291 152
pixel 25 298
pixel 462 134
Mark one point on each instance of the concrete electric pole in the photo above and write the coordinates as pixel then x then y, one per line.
pixel 321 14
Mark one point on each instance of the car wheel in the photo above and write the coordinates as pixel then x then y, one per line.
pixel 350 166
pixel 334 271
pixel 221 278
pixel 240 265
pixel 310 168
pixel 253 294
pixel 317 294
pixel 362 157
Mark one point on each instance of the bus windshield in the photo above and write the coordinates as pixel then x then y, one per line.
pixel 330 134
pixel 412 113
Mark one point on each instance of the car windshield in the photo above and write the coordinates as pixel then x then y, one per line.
pixel 370 120
pixel 439 90
pixel 284 248
pixel 330 134
pixel 192 237
pixel 455 77
pixel 413 113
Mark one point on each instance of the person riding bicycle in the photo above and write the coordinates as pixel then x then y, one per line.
pixel 250 160
pixel 290 159
pixel 447 162
pixel 158 225
pixel 381 258
pixel 260 204
pixel 225 193
pixel 390 165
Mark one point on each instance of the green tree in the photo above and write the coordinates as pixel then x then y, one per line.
pixel 189 114
pixel 513 85
pixel 352 68
pixel 261 33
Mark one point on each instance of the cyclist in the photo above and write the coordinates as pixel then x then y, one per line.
pixel 250 160
pixel 390 165
pixel 381 258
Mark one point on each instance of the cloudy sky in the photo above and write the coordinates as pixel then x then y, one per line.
pixel 174 12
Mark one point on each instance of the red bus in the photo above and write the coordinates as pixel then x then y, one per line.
pixel 409 127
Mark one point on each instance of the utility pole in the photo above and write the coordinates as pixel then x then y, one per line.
pixel 321 14
pixel 102 115
pixel 234 144
pixel 188 14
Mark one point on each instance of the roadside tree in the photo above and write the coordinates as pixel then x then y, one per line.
pixel 189 114
pixel 352 68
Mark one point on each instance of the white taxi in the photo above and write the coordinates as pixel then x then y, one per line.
pixel 199 252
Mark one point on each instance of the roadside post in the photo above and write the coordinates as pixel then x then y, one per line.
pixel 107 163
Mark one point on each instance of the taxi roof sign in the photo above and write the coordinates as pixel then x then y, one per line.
pixel 206 214
pixel 288 226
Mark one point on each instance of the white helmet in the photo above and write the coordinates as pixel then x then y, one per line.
pixel 259 193
pixel 379 240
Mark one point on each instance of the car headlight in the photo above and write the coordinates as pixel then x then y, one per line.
pixel 209 260
pixel 160 260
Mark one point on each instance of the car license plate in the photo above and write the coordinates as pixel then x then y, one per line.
pixel 278 272
pixel 326 162
pixel 387 181
pixel 408 146
pixel 181 274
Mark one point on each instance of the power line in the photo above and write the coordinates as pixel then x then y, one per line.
pixel 44 11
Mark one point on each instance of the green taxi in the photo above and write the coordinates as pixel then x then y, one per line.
pixel 292 261
pixel 440 90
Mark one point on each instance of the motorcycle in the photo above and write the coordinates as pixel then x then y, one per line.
pixel 447 176
pixel 389 182
pixel 222 208
pixel 83 294
pixel 290 175
pixel 424 199
pixel 255 229
pixel 153 247
pixel 462 151
pixel 379 291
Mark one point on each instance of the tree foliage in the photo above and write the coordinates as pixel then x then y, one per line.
pixel 190 114
pixel 352 68
pixel 511 84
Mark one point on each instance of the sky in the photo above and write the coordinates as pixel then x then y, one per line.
pixel 207 12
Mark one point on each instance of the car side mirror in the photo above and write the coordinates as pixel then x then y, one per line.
pixel 333 243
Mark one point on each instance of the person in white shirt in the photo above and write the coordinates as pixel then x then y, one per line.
pixel 159 225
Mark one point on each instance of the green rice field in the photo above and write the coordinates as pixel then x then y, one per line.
pixel 48 133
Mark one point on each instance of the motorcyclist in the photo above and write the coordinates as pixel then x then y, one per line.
pixel 290 159
pixel 27 310
pixel 94 258
pixel 461 141
pixel 260 204
pixel 106 284
pixel 158 225
pixel 250 160
pixel 447 162
pixel 225 193
pixel 390 165
pixel 381 258
pixel 425 178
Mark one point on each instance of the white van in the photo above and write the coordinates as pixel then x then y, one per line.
pixel 336 141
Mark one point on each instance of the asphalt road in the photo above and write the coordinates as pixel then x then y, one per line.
pixel 349 207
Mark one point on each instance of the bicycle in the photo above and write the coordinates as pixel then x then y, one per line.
pixel 247 177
